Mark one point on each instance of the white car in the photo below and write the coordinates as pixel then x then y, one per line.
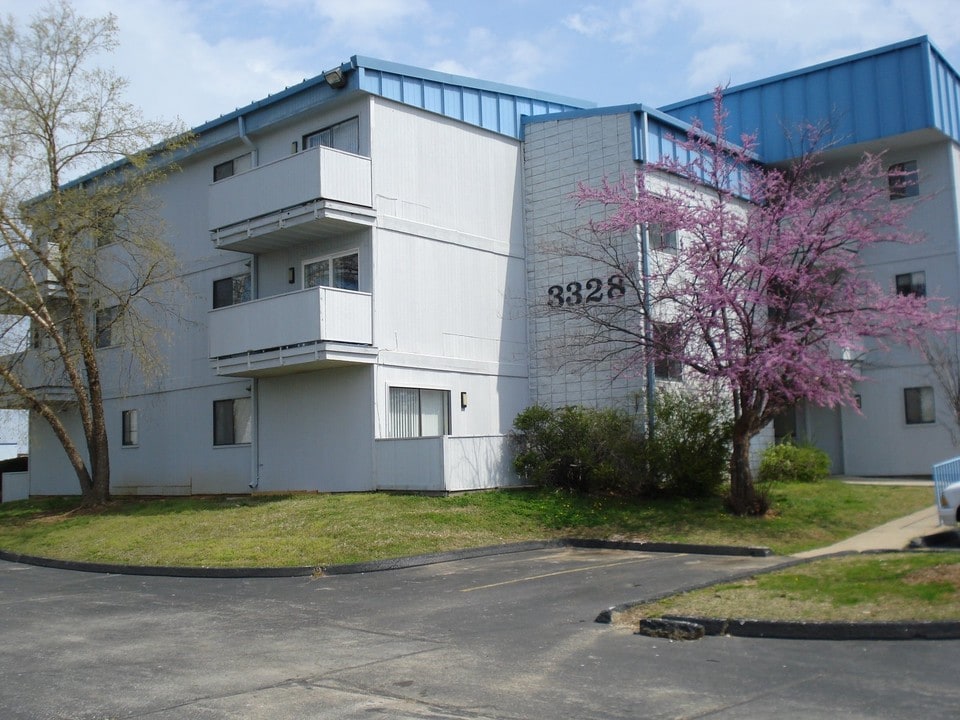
pixel 949 504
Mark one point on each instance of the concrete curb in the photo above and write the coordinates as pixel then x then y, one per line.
pixel 157 570
pixel 381 565
pixel 918 630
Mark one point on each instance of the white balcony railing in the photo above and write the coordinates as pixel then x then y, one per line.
pixel 292 332
pixel 319 185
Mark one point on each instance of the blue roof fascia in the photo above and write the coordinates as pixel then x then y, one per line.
pixel 879 93
pixel 361 61
pixel 493 106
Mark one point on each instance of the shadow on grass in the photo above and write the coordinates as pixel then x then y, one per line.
pixel 70 506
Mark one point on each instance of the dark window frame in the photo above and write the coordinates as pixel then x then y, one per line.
pixel 130 424
pixel 903 180
pixel 232 290
pixel 911 283
pixel 228 425
pixel 916 411
pixel 333 136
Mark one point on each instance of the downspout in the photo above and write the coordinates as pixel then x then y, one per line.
pixel 245 139
pixel 255 434
pixel 644 237
pixel 255 293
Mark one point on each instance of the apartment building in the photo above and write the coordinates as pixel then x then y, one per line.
pixel 368 271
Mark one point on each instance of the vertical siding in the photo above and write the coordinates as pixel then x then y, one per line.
pixel 473 102
pixel 882 93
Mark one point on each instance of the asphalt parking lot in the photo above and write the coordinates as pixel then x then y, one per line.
pixel 506 636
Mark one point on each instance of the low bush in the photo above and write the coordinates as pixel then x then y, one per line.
pixel 607 451
pixel 580 449
pixel 787 462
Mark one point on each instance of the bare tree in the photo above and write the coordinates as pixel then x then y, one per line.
pixel 83 263
pixel 943 354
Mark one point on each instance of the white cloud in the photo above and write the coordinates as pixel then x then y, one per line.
pixel 365 15
pixel 717 64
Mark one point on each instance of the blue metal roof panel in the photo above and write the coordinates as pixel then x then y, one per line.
pixel 493 106
pixel 889 91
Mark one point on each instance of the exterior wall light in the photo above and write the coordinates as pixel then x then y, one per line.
pixel 291 275
pixel 463 401
pixel 335 78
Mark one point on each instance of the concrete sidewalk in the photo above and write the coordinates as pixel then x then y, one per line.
pixel 894 535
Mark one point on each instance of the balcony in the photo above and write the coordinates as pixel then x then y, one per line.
pixel 29 286
pixel 312 194
pixel 295 332
pixel 45 378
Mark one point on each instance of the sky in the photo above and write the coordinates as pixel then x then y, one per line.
pixel 194 60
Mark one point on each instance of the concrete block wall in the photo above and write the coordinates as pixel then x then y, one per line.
pixel 559 155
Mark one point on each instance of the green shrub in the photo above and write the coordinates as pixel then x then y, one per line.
pixel 787 462
pixel 606 451
pixel 579 449
pixel 689 454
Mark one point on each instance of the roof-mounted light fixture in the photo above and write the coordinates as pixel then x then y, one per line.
pixel 335 78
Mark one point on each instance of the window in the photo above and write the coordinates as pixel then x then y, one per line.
pixel 663 241
pixel 105 322
pixel 666 339
pixel 419 413
pixel 131 428
pixel 903 179
pixel 231 290
pixel 232 422
pixel 914 283
pixel 338 271
pixel 232 167
pixel 918 404
pixel 342 136
pixel 104 226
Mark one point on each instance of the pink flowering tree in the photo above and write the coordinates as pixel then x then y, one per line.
pixel 764 295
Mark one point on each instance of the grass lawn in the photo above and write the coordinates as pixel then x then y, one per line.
pixel 310 530
pixel 884 587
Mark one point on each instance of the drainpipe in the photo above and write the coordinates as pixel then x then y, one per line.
pixel 245 139
pixel 255 434
pixel 644 238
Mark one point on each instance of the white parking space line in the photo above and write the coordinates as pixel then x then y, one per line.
pixel 585 568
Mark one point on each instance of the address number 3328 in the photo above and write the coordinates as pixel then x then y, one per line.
pixel 593 290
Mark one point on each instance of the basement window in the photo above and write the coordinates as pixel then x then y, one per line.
pixel 416 412
pixel 131 428
pixel 232 422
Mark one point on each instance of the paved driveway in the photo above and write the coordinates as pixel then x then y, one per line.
pixel 509 636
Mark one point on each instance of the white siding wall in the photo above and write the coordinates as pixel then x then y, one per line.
pixel 878 441
pixel 316 431
pixel 448 286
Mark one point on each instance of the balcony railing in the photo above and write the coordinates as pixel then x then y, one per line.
pixel 295 332
pixel 317 192
pixel 45 378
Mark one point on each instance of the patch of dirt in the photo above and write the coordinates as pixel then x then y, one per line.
pixel 938 573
